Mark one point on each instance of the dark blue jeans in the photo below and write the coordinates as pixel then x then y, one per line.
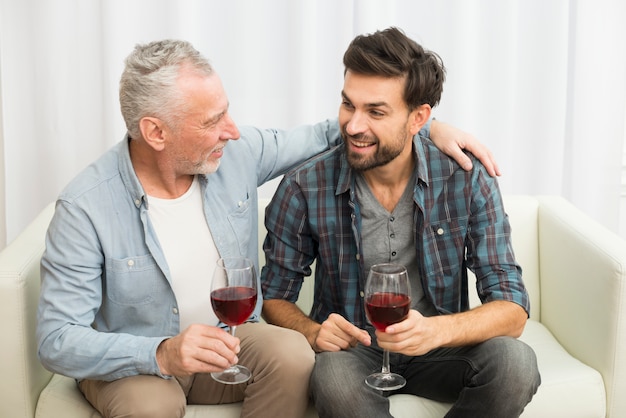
pixel 496 378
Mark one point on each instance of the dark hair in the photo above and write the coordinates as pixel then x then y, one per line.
pixel 390 53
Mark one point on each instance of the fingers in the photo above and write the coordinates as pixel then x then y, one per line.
pixel 336 333
pixel 198 349
pixel 410 337
pixel 479 151
pixel 486 158
pixel 206 361
pixel 217 350
pixel 459 156
pixel 453 141
pixel 208 334
pixel 496 168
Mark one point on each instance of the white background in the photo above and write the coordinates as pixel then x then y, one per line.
pixel 541 82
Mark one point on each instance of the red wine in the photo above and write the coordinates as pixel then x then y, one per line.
pixel 233 305
pixel 386 308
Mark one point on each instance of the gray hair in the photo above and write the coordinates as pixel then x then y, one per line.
pixel 148 82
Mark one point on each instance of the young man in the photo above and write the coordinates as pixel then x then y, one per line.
pixel 387 195
pixel 126 274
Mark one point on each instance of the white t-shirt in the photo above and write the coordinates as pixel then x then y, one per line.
pixel 190 252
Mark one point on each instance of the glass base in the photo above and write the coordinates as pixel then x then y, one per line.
pixel 233 375
pixel 385 381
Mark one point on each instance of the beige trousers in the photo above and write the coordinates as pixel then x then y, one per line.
pixel 280 360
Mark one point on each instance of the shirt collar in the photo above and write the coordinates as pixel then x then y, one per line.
pixel 127 172
pixel 130 179
pixel 346 174
pixel 420 159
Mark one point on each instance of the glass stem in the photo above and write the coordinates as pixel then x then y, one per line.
pixel 385 362
pixel 232 329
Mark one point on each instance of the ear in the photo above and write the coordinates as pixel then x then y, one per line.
pixel 418 118
pixel 152 131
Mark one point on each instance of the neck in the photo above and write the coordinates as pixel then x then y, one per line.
pixel 157 177
pixel 388 182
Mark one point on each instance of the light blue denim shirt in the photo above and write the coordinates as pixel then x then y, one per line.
pixel 106 300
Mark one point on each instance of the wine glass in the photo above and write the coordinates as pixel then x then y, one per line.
pixel 387 301
pixel 233 297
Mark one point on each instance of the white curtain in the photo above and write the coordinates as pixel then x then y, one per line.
pixel 541 82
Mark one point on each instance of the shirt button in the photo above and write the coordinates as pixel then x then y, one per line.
pixel 393 253
pixel 392 236
pixel 137 202
pixel 362 294
pixel 358 256
pixel 392 219
pixel 131 263
pixel 440 231
pixel 175 311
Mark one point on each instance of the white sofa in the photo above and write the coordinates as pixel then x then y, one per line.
pixel 574 268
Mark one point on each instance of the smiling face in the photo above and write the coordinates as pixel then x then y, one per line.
pixel 196 145
pixel 375 122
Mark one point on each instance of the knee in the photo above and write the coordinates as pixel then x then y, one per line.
pixel 291 355
pixel 333 379
pixel 159 408
pixel 517 364
pixel 318 373
pixel 294 350
pixel 162 399
pixel 338 388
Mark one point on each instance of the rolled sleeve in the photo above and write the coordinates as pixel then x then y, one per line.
pixel 288 246
pixel 490 253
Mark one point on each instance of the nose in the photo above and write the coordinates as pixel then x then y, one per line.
pixel 230 130
pixel 356 124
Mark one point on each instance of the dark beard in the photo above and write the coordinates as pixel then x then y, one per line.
pixel 382 156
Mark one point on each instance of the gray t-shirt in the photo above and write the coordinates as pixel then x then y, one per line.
pixel 389 238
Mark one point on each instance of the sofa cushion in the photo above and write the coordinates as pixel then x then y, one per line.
pixel 62 394
pixel 569 388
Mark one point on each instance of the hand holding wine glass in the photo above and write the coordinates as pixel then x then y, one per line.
pixel 233 297
pixel 387 301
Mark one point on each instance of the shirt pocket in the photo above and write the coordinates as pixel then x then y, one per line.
pixel 444 244
pixel 133 280
pixel 241 223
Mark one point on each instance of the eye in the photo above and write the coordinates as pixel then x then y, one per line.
pixel 376 113
pixel 213 122
pixel 347 104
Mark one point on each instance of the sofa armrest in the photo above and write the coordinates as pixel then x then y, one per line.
pixel 23 377
pixel 583 292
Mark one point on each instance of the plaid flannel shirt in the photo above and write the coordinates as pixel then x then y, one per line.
pixel 459 222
